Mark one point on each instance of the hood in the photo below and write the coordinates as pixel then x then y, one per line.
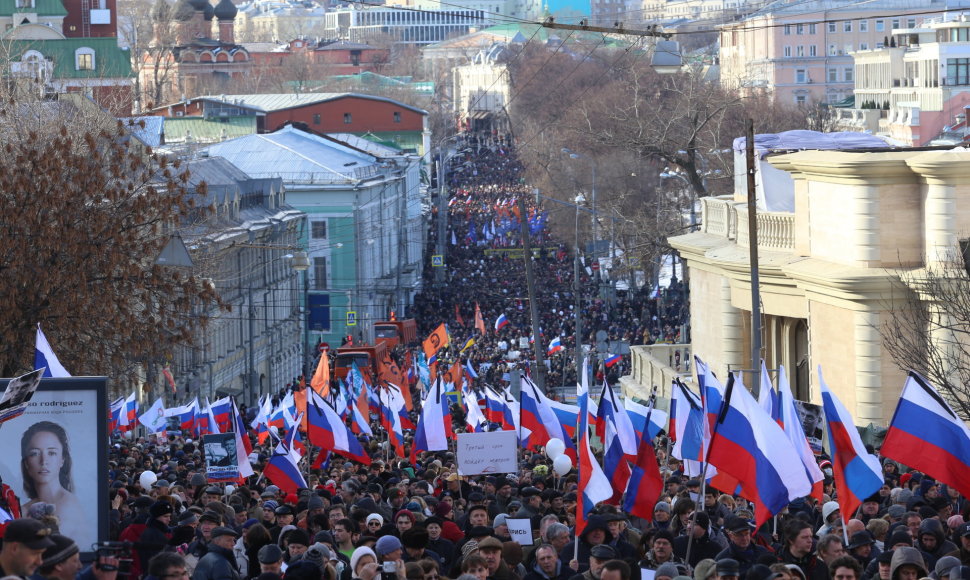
pixel 935 527
pixel 904 556
pixel 596 523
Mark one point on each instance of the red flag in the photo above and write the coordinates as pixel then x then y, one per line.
pixel 479 321
pixel 458 317
pixel 321 378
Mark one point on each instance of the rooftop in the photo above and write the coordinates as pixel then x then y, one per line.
pixel 271 102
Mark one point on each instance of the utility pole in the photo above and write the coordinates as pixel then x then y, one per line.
pixel 540 372
pixel 578 299
pixel 442 216
pixel 753 258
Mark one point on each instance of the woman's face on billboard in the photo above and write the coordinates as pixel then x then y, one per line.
pixel 44 458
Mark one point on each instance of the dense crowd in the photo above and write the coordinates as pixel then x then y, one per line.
pixel 397 520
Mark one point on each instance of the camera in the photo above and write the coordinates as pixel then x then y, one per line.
pixel 389 570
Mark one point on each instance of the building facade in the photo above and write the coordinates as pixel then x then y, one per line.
pixel 254 347
pixel 360 23
pixel 832 272
pixel 917 87
pixel 366 227
pixel 801 52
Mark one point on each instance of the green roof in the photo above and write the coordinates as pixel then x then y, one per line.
pixel 408 141
pixel 110 61
pixel 212 130
pixel 41 8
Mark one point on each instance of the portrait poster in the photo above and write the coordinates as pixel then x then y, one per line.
pixel 812 424
pixel 57 454
pixel 220 457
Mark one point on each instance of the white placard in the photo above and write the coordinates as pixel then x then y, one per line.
pixel 493 452
pixel 520 530
pixel 647 574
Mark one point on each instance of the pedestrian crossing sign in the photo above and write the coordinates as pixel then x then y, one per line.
pixel 437 261
pixel 351 318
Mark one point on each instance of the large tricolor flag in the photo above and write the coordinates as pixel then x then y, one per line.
pixel 434 423
pixel 501 322
pixel 540 419
pixel 243 445
pixel 645 482
pixel 283 470
pixel 645 419
pixel 686 423
pixel 44 357
pixel 857 472
pixel 473 413
pixel 328 432
pixel 222 410
pixel 927 435
pixel 555 345
pixel 619 441
pixel 752 448
pixel 767 396
pixel 594 486
pixel 792 425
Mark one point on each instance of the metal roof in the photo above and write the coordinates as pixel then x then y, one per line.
pixel 147 129
pixel 298 158
pixel 375 148
pixel 271 102
pixel 205 130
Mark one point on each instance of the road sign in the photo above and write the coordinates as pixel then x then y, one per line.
pixel 437 261
pixel 351 318
pixel 323 347
pixel 595 265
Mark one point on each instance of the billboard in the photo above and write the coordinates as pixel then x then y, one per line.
pixel 57 454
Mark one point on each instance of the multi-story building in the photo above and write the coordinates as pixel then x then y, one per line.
pixel 405 26
pixel 833 271
pixel 366 226
pixel 482 89
pixel 278 20
pixel 918 86
pixel 801 52
pixel 247 244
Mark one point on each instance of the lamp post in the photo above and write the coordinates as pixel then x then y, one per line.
pixel 300 262
pixel 443 205
pixel 580 199
pixel 691 194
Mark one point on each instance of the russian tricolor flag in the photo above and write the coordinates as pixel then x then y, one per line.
pixel 283 471
pixel 857 472
pixel 114 410
pixel 927 435
pixel 242 438
pixel 431 433
pixel 44 357
pixel 687 424
pixel 612 359
pixel 501 322
pixel 222 410
pixel 326 430
pixel 645 419
pixel 792 425
pixel 646 483
pixel 470 369
pixel 568 416
pixel 554 346
pixel 752 448
pixel 594 487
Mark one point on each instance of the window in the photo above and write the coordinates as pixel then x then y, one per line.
pixel 319 273
pixel 910 23
pixel 833 75
pixel 847 26
pixel 833 50
pixel 880 25
pixel 787 52
pixel 880 45
pixel 848 48
pixel 348 119
pixel 863 46
pixel 84 59
pixel 800 51
pixel 863 26
pixel 799 29
pixel 847 74
pixel 788 30
pixel 318 229
pixel 799 99
pixel 801 76
pixel 895 22
pixel 811 29
pixel 831 27
pixel 812 51
pixel 397 117
pixel 958 71
pixel 316 118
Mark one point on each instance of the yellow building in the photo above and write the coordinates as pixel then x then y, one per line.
pixel 830 271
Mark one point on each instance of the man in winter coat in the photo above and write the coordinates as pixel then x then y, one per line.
pixel 702 546
pixel 156 534
pixel 219 562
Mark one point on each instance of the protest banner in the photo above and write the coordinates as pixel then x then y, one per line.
pixel 220 457
pixel 520 530
pixel 493 452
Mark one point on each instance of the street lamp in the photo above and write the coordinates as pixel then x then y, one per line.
pixel 592 167
pixel 580 200
pixel 300 262
pixel 666 57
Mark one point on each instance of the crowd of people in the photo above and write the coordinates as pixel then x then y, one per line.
pixel 394 519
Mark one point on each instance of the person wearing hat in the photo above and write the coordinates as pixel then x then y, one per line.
pixel 219 562
pixel 705 569
pixel 943 566
pixel 415 542
pixel 438 544
pixel 932 541
pixel 798 550
pixel 503 495
pixel 661 515
pixel 284 517
pixel 531 506
pixel 963 552
pixel 830 516
pixel 702 546
pixel 24 543
pixel 157 532
pixel 598 556
pixel 62 561
pixel 860 547
pixel 741 548
pixel 491 550
pixel 907 564
pixel 270 559
pixel 727 569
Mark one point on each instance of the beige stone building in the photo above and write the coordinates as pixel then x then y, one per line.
pixel 830 271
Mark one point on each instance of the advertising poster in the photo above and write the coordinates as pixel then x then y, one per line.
pixel 220 457
pixel 56 453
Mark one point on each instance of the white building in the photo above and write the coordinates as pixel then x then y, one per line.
pixel 481 91
pixel 358 23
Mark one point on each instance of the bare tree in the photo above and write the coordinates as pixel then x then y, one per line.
pixel 928 329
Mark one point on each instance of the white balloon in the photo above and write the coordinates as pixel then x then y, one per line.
pixel 230 489
pixel 562 464
pixel 146 479
pixel 554 448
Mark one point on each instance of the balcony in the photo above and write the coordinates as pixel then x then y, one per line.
pixel 776 230
pixel 718 217
pixel 656 366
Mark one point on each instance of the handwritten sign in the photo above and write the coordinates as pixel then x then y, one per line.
pixel 520 530
pixel 494 452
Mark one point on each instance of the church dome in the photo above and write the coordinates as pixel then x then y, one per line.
pixel 226 10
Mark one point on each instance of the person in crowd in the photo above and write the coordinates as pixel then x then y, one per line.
pixel 702 546
pixel 845 568
pixel 741 548
pixel 547 565
pixel 167 566
pixel 219 562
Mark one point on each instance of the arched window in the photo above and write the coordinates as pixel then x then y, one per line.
pixel 84 59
